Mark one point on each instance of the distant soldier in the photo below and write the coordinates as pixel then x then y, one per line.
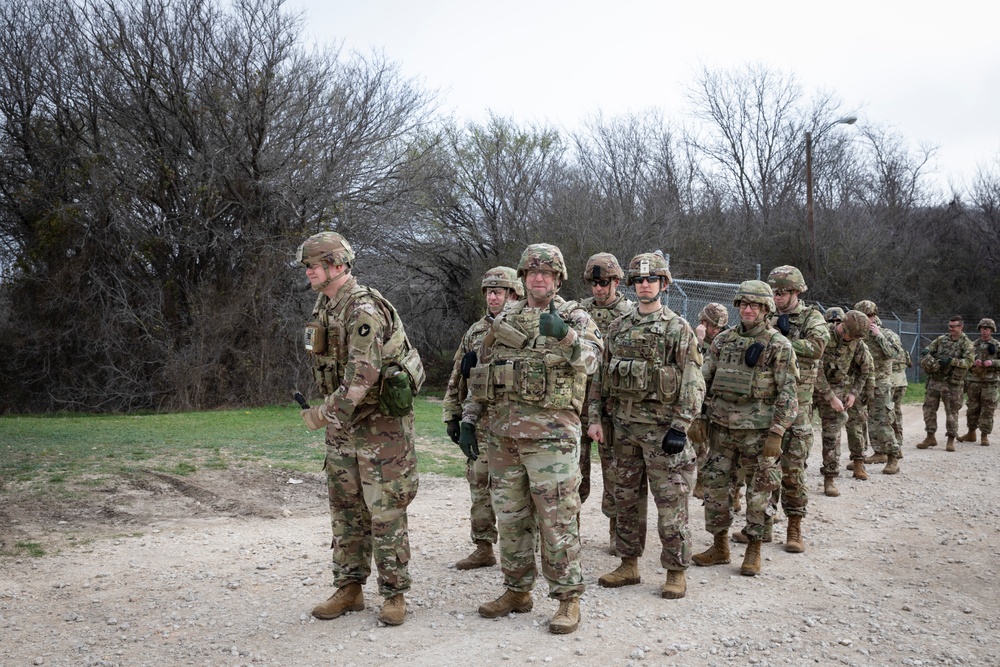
pixel 751 376
pixel 947 361
pixel 899 385
pixel 834 314
pixel 847 365
pixel 652 373
pixel 604 274
pixel 884 346
pixel 982 383
pixel 368 371
pixel 712 321
pixel 499 285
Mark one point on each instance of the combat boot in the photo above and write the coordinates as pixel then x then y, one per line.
pixel 876 458
pixel 510 601
pixel 612 539
pixel 829 488
pixel 950 447
pixel 891 466
pixel 850 465
pixel 793 538
pixel 742 537
pixel 625 574
pixel 984 440
pixel 567 619
pixel 929 441
pixel 393 610
pixel 968 437
pixel 859 470
pixel 347 598
pixel 481 557
pixel 675 586
pixel 717 554
pixel 751 560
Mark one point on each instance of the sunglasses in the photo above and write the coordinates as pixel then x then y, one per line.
pixel 782 292
pixel 602 283
pixel 646 279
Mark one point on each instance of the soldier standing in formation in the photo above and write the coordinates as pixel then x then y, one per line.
pixel 499 285
pixel 751 376
pixel 712 321
pixel 532 369
pixel 899 383
pixel 982 382
pixel 604 274
pixel 360 355
pixel 652 374
pixel 884 346
pixel 947 361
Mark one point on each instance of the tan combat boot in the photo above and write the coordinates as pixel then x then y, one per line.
pixel 481 557
pixel 859 470
pixel 347 598
pixel 675 586
pixel 510 601
pixel 567 619
pixel 876 458
pixel 929 441
pixel 625 574
pixel 850 465
pixel 793 538
pixel 393 610
pixel 950 447
pixel 742 538
pixel 984 440
pixel 891 466
pixel 612 539
pixel 968 437
pixel 751 560
pixel 829 488
pixel 717 554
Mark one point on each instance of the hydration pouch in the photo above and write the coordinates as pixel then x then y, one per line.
pixel 508 335
pixel 314 338
pixel 395 397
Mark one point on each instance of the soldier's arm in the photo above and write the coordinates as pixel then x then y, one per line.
pixel 823 388
pixel 786 404
pixel 595 401
pixel 365 334
pixel 692 389
pixel 451 406
pixel 968 356
pixel 583 344
pixel 814 338
pixel 709 363
pixel 863 367
pixel 889 347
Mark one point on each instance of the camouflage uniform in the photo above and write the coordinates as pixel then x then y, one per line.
pixel 885 349
pixel 982 383
pixel 946 383
pixel 716 314
pixel 899 383
pixel 856 425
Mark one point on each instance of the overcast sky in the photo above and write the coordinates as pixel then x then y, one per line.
pixel 930 71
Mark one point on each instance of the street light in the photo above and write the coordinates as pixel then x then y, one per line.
pixel 846 120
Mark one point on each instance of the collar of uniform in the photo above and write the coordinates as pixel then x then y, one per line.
pixel 344 291
pixel 754 331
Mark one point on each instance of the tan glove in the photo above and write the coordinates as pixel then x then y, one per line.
pixel 315 418
pixel 772 446
pixel 698 431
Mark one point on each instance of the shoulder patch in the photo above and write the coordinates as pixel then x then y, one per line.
pixel 364 330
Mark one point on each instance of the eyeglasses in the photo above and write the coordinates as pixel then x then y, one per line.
pixel 749 304
pixel 834 321
pixel 603 283
pixel 646 279
pixel 782 292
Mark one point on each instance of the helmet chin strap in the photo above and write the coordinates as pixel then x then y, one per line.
pixel 329 278
pixel 648 299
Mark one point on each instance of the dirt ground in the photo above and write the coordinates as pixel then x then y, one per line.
pixel 222 568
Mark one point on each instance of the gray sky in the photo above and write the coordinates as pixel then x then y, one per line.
pixel 932 72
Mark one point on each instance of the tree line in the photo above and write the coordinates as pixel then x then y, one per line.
pixel 161 160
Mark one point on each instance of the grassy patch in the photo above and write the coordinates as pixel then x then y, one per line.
pixel 33 549
pixel 915 392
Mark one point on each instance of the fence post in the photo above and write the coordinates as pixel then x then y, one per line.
pixel 919 334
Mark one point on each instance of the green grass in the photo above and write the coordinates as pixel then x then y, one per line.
pixel 34 549
pixel 914 393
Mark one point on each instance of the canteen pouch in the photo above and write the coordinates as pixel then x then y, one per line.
pixel 395 398
pixel 414 369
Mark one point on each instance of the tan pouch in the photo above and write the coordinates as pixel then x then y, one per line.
pixel 480 385
pixel 669 381
pixel 508 335
pixel 314 338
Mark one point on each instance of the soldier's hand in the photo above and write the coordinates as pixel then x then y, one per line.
pixel 784 324
pixel 977 362
pixel 698 431
pixel 674 441
pixel 851 398
pixel 836 404
pixel 944 361
pixel 467 441
pixel 772 446
pixel 596 433
pixel 315 418
pixel 700 332
pixel 469 361
pixel 550 324
pixel 454 429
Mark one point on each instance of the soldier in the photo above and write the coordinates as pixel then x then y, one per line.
pixel 499 285
pixel 947 361
pixel 833 315
pixel 368 371
pixel 604 274
pixel 885 347
pixel 532 369
pixel 712 321
pixel 805 327
pixel 751 376
pixel 652 373
pixel 982 384
pixel 847 365
pixel 899 384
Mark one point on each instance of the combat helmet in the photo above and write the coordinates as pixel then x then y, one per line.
pixel 787 277
pixel 328 247
pixel 649 264
pixel 544 256
pixel 988 323
pixel 715 313
pixel 503 276
pixel 603 266
pixel 867 307
pixel 755 291
pixel 834 314
pixel 855 324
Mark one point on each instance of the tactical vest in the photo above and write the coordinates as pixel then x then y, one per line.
pixel 982 352
pixel 946 347
pixel 808 368
pixel 640 367
pixel 837 361
pixel 739 392
pixel 603 316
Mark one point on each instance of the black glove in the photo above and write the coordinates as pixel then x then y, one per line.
pixel 674 441
pixel 944 361
pixel 991 347
pixel 550 324
pixel 467 441
pixel 469 361
pixel 783 324
pixel 753 354
pixel 454 430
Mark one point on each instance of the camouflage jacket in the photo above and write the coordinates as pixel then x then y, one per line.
pixel 809 336
pixel 959 351
pixel 884 350
pixel 762 397
pixel 705 345
pixel 603 316
pixel 847 369
pixel 651 371
pixel 982 352
pixel 900 363
pixel 533 384
pixel 458 388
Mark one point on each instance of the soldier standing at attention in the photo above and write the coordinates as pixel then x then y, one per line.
pixel 982 383
pixel 847 365
pixel 368 372
pixel 751 376
pixel 532 370
pixel 899 384
pixel 652 373
pixel 947 361
pixel 499 285
pixel 712 321
pixel 604 274
pixel 884 347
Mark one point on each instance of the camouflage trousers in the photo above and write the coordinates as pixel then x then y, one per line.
pixel 897 410
pixel 942 392
pixel 857 429
pixel 833 423
pixel 606 452
pixel 371 473
pixel 795 448
pixel 537 481
pixel 482 518
pixel 729 449
pixel 879 426
pixel 639 457
pixel 982 404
